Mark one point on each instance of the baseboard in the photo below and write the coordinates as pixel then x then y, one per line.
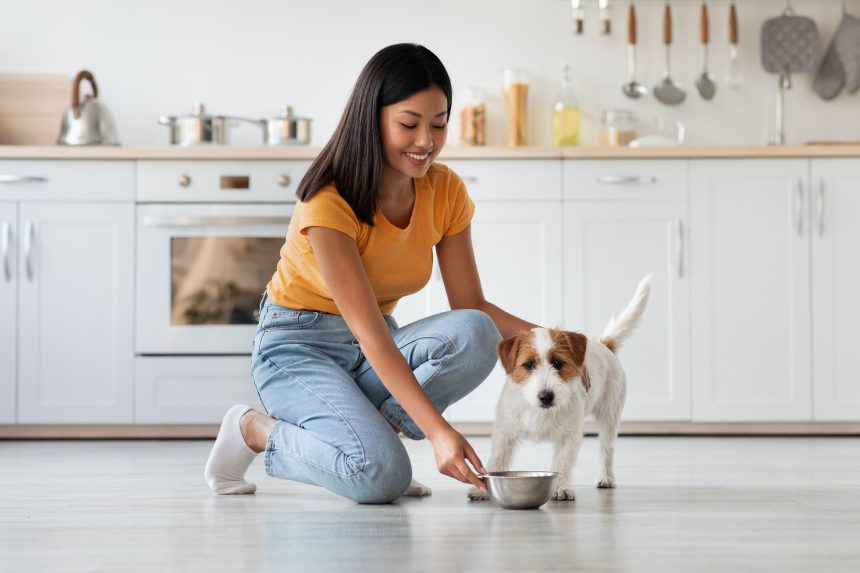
pixel 209 431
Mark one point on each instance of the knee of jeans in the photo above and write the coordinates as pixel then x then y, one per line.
pixel 384 477
pixel 481 335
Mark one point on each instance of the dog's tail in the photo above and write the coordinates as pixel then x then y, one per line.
pixel 621 327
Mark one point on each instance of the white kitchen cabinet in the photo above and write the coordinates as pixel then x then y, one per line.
pixel 835 286
pixel 751 315
pixel 518 252
pixel 608 249
pixel 75 312
pixel 8 311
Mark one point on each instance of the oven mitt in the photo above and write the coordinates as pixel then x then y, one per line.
pixel 847 44
pixel 830 76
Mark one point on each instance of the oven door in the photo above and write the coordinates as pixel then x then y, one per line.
pixel 201 271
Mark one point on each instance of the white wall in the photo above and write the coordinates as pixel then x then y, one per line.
pixel 156 57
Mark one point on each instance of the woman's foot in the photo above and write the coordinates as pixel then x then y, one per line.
pixel 255 428
pixel 232 454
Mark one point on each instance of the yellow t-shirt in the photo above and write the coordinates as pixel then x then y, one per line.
pixel 398 261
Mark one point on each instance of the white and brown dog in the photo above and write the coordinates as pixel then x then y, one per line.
pixel 554 380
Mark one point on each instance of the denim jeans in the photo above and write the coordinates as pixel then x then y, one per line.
pixel 332 408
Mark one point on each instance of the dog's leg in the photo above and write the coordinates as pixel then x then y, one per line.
pixel 564 458
pixel 607 428
pixel 503 444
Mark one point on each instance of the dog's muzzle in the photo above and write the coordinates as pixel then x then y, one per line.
pixel 546 397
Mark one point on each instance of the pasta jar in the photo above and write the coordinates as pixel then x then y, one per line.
pixel 473 118
pixel 617 127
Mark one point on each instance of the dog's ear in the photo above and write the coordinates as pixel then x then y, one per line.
pixel 507 349
pixel 577 343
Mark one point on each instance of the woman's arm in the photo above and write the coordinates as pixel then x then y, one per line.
pixel 463 285
pixel 344 274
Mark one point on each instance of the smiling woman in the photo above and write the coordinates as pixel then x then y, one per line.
pixel 332 367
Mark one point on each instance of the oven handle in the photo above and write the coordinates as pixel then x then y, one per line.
pixel 218 221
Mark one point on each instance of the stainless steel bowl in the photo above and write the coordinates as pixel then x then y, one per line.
pixel 520 490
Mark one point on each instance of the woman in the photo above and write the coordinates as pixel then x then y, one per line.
pixel 336 374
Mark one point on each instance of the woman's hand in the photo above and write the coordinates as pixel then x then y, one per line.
pixel 452 450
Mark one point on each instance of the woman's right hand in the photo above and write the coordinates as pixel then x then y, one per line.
pixel 452 450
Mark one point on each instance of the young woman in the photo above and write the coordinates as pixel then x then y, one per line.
pixel 337 376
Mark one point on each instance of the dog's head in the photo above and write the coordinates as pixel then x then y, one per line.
pixel 546 365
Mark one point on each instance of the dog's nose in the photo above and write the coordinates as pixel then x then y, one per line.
pixel 546 397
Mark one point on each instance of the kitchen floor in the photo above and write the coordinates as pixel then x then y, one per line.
pixel 709 503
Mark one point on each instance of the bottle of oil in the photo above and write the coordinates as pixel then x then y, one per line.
pixel 565 113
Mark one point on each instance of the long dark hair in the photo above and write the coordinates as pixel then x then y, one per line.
pixel 353 158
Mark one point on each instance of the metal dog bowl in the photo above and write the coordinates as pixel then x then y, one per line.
pixel 520 490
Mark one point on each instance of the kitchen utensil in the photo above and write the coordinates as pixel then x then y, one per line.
pixel 287 129
pixel 789 44
pixel 632 88
pixel 577 13
pixel 519 489
pixel 202 129
pixel 847 45
pixel 605 17
pixel 29 107
pixel 734 77
pixel 87 121
pixel 705 84
pixel 830 77
pixel 667 91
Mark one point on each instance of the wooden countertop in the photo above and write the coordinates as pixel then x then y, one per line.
pixel 450 152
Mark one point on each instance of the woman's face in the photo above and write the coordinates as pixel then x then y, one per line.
pixel 414 131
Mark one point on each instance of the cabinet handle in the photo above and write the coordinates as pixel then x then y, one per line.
pixel 23 179
pixel 469 179
pixel 820 206
pixel 798 208
pixel 5 242
pixel 679 228
pixel 214 221
pixel 627 179
pixel 29 237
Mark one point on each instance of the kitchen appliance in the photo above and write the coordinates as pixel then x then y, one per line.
pixel 667 91
pixel 705 84
pixel 208 237
pixel 287 129
pixel 632 88
pixel 87 121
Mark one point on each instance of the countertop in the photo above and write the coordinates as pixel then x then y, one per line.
pixel 450 152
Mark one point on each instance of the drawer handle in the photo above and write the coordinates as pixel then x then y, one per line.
pixel 627 179
pixel 160 221
pixel 469 179
pixel 284 180
pixel 23 179
pixel 5 242
pixel 29 236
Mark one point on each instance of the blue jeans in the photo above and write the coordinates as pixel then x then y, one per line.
pixel 332 408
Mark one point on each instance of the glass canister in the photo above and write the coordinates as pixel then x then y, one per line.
pixel 516 88
pixel 617 127
pixel 473 118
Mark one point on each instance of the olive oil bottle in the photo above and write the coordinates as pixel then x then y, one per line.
pixel 565 113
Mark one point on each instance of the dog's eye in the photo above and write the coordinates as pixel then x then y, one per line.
pixel 557 364
pixel 530 365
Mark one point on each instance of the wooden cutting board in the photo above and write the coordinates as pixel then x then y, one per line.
pixel 31 107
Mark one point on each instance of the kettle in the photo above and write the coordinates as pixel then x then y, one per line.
pixel 87 122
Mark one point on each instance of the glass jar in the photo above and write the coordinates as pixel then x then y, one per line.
pixel 516 88
pixel 565 113
pixel 473 118
pixel 617 127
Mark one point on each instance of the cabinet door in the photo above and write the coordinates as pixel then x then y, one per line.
pixel 751 290
pixel 518 252
pixel 835 288
pixel 76 276
pixel 8 311
pixel 608 249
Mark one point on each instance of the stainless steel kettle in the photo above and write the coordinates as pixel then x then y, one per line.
pixel 87 122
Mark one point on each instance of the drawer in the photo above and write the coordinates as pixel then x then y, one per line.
pixel 627 179
pixel 512 180
pixel 191 389
pixel 192 181
pixel 66 180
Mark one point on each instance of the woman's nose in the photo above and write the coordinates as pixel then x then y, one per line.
pixel 424 138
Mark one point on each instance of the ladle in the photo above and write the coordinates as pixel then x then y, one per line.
pixel 632 88
pixel 667 91
pixel 705 84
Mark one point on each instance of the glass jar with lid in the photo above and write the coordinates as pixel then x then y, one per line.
pixel 617 127
pixel 473 117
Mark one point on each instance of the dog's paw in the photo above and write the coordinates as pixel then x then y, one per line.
pixel 563 493
pixel 477 495
pixel 606 483
pixel 417 489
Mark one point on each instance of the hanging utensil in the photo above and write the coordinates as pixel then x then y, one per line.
pixel 667 91
pixel 605 17
pixel 734 77
pixel 705 84
pixel 632 88
pixel 577 13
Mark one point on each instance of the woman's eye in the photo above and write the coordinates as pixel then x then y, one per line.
pixel 530 365
pixel 408 126
pixel 556 364
pixel 440 126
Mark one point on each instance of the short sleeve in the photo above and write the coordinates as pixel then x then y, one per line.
pixel 326 208
pixel 461 207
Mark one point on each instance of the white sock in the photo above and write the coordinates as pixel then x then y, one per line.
pixel 230 457
pixel 417 489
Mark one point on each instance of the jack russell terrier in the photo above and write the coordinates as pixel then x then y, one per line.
pixel 554 380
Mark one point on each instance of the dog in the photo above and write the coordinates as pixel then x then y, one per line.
pixel 554 380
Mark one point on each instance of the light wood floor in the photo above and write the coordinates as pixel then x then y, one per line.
pixel 683 504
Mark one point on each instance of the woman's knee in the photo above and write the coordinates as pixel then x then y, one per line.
pixel 384 477
pixel 480 336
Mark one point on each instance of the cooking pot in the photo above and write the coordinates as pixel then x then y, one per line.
pixel 197 128
pixel 86 122
pixel 287 129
